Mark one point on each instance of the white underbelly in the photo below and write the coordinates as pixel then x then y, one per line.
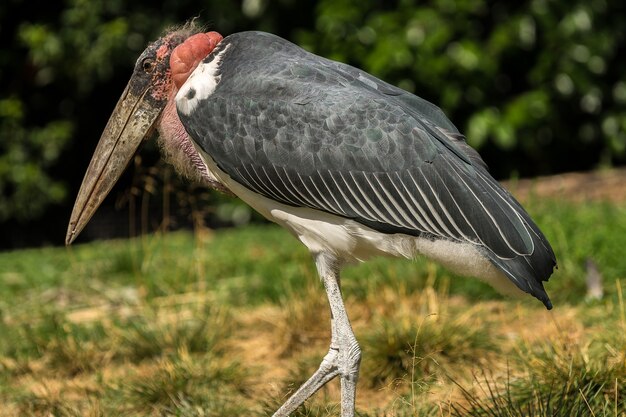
pixel 350 241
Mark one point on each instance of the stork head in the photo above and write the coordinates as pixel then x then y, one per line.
pixel 160 70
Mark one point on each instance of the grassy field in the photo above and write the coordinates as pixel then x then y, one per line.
pixel 228 323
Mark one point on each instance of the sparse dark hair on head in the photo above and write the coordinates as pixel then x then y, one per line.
pixel 189 28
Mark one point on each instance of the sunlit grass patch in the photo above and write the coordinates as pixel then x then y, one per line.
pixel 63 347
pixel 42 405
pixel 401 348
pixel 423 335
pixel 566 375
pixel 159 331
pixel 305 319
pixel 214 406
pixel 73 349
pixel 49 397
pixel 103 334
pixel 173 384
pixel 557 381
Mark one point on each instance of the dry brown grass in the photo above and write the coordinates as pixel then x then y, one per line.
pixel 275 346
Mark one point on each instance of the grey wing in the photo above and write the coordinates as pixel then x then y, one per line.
pixel 310 132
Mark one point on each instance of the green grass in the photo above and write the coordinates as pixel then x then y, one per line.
pixel 225 323
pixel 399 346
pixel 559 381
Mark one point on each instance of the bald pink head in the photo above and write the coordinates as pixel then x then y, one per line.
pixel 186 56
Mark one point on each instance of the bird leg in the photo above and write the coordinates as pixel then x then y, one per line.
pixel 343 357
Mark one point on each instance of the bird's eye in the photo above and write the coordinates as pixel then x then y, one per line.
pixel 148 65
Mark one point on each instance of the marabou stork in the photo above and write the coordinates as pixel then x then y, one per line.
pixel 352 166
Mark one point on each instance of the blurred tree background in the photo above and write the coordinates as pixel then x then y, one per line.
pixel 537 86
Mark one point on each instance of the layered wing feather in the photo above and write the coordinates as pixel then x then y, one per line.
pixel 307 131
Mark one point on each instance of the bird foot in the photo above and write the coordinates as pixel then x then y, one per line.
pixel 340 361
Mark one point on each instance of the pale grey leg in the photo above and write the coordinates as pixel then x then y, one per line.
pixel 344 355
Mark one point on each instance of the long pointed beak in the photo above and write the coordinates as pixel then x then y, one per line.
pixel 134 116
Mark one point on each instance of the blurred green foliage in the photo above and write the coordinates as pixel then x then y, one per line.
pixel 538 86
pixel 55 60
pixel 25 154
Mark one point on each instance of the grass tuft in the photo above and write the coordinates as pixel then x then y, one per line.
pixel 65 347
pixel 560 380
pixel 305 319
pixel 160 331
pixel 174 384
pixel 400 346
